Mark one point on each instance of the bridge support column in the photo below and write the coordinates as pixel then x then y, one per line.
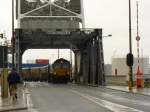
pixel 77 66
pixel 18 50
pixel 92 61
pixel 84 67
pixel 100 73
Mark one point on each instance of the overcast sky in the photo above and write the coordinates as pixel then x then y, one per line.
pixel 110 15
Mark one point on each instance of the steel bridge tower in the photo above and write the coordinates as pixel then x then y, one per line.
pixel 49 14
pixel 49 24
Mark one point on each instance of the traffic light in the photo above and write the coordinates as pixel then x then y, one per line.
pixel 1 36
pixel 129 59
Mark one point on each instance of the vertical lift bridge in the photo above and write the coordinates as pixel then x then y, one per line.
pixel 45 24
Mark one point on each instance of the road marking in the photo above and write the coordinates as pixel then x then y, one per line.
pixel 126 99
pixel 119 98
pixel 107 104
pixel 29 103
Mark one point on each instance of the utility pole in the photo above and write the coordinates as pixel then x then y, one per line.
pixel 130 55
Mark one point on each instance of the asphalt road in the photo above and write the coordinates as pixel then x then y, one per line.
pixel 46 97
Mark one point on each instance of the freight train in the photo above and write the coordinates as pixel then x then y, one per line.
pixel 58 72
pixel 61 71
pixel 36 73
pixel 36 70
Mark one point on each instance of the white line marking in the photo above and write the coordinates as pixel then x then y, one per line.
pixel 107 104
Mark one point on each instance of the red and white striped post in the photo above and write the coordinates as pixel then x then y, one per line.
pixel 139 74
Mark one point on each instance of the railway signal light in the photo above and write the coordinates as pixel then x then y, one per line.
pixel 129 59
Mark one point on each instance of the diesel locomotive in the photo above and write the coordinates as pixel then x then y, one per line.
pixel 61 71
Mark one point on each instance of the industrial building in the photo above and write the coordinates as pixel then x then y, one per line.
pixel 119 66
pixel 117 72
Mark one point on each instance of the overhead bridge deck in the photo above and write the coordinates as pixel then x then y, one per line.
pixel 35 39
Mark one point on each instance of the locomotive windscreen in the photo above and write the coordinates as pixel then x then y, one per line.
pixel 61 63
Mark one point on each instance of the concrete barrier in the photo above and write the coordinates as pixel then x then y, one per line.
pixel 116 80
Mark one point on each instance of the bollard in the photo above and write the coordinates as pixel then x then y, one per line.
pixel 4 83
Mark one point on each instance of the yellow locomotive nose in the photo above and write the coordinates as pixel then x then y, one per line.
pixel 61 70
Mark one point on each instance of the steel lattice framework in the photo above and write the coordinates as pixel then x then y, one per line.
pixel 49 11
pixel 56 24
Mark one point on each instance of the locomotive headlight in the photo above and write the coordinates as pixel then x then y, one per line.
pixel 54 73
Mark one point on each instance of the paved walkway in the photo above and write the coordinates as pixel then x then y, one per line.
pixel 144 91
pixel 8 105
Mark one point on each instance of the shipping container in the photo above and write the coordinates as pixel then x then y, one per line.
pixel 42 61
pixel 31 61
